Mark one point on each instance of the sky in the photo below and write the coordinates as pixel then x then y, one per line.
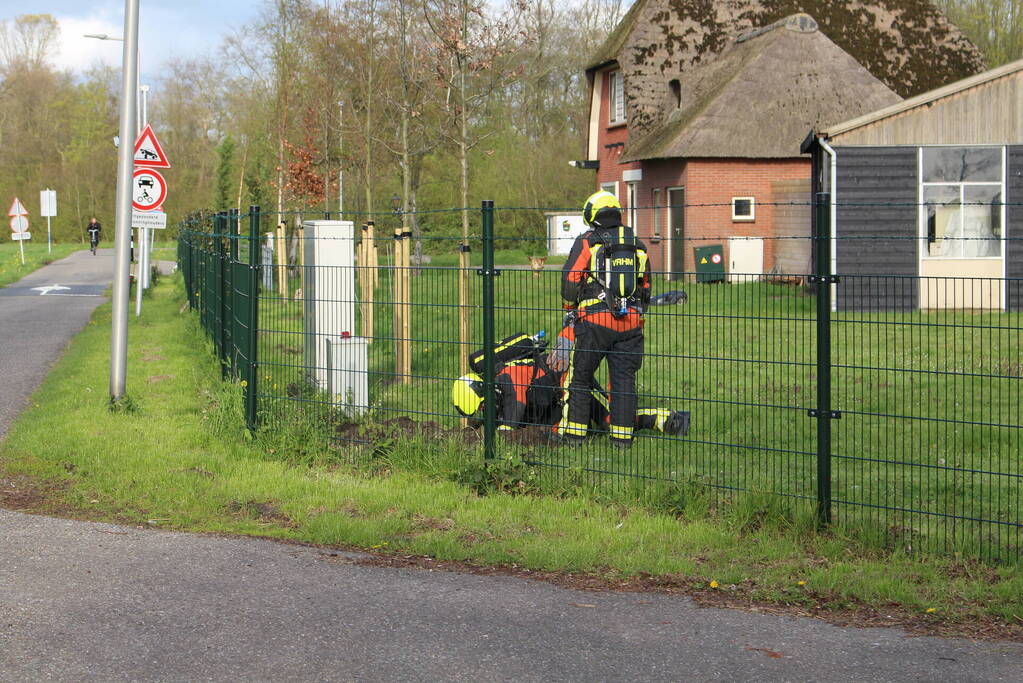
pixel 168 29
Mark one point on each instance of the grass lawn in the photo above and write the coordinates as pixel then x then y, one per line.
pixel 36 256
pixel 175 456
pixel 925 455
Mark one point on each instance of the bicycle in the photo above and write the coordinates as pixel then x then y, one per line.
pixel 93 241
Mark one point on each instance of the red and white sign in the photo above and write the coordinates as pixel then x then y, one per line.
pixel 17 208
pixel 148 151
pixel 148 189
pixel 716 258
pixel 19 223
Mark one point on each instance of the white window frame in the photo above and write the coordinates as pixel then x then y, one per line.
pixel 631 192
pixel 611 187
pixel 922 216
pixel 742 218
pixel 615 98
pixel 655 228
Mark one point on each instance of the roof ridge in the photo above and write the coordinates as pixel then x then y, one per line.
pixel 800 22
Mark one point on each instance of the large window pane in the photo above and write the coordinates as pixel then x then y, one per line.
pixel 962 164
pixel 941 203
pixel 982 221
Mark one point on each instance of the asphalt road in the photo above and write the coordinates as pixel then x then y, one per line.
pixel 39 315
pixel 82 601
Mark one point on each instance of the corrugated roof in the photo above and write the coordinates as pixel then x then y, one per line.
pixel 925 98
pixel 758 98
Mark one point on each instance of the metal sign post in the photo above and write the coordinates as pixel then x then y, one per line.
pixel 122 226
pixel 48 208
pixel 19 225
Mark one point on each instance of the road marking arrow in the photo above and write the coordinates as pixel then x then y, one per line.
pixel 43 291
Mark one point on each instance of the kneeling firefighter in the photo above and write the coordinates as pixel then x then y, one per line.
pixel 605 288
pixel 530 391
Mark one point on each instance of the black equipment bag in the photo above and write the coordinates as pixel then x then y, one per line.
pixel 512 348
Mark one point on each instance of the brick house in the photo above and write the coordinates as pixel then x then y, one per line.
pixel 697 130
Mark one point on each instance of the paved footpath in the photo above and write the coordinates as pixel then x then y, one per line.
pixel 39 315
pixel 81 601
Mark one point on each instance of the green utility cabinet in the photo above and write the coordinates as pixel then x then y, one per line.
pixel 710 263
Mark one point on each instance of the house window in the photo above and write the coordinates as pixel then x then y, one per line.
pixel 610 187
pixel 961 207
pixel 616 98
pixel 743 209
pixel 676 92
pixel 655 228
pixel 630 197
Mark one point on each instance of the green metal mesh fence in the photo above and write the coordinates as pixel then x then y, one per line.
pixel 886 403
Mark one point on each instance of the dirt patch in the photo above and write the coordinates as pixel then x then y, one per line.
pixel 267 512
pixel 23 495
pixel 533 435
pixel 152 357
pixel 156 379
pixel 403 427
pixel 423 523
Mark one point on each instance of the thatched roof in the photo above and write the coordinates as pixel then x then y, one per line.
pixel 761 95
pixel 908 44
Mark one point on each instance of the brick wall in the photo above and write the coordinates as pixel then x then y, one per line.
pixel 709 187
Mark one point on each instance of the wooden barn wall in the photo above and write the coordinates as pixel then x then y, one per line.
pixel 951 120
pixel 876 232
pixel 1014 228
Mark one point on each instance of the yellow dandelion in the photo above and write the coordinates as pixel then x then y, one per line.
pixel 802 583
pixel 932 610
pixel 714 584
pixel 244 383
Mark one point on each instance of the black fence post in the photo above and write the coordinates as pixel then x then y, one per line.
pixel 489 389
pixel 252 374
pixel 221 279
pixel 823 279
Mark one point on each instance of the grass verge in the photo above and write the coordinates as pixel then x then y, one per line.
pixel 175 456
pixel 36 256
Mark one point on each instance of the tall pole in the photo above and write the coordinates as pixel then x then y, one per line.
pixel 122 223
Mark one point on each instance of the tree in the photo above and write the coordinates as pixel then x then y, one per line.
pixel 223 197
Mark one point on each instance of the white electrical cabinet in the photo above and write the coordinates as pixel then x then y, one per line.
pixel 335 357
pixel 562 229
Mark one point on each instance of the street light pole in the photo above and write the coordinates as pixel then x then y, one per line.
pixel 122 223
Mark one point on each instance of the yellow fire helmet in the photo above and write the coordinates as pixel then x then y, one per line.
pixel 602 210
pixel 467 394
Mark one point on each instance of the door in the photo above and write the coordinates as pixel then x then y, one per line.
pixel 745 259
pixel 677 231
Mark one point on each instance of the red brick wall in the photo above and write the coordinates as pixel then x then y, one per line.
pixel 610 143
pixel 709 187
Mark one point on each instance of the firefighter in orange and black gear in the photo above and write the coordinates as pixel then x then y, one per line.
pixel 604 328
pixel 529 393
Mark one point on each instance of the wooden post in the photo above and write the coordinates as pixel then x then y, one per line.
pixel 282 260
pixel 406 299
pixel 372 279
pixel 463 308
pixel 398 289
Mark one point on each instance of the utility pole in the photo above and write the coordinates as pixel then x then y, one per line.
pixel 122 223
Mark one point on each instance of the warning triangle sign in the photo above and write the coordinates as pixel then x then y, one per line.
pixel 703 260
pixel 17 208
pixel 148 151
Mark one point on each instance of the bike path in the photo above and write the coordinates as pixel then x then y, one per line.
pixel 39 315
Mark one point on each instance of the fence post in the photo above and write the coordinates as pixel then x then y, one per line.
pixel 489 388
pixel 252 371
pixel 222 341
pixel 823 279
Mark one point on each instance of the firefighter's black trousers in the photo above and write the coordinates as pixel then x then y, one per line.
pixel 620 340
